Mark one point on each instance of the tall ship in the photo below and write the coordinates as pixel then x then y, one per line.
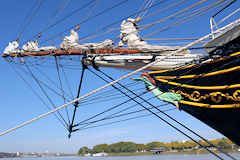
pixel 200 77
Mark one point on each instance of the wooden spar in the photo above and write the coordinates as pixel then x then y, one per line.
pixel 60 52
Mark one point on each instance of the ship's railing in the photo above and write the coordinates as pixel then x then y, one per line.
pixel 214 25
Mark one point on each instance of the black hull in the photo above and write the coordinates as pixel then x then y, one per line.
pixel 225 121
pixel 210 91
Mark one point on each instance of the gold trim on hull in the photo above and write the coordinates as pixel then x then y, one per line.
pixel 200 75
pixel 201 87
pixel 203 105
pixel 215 97
pixel 215 94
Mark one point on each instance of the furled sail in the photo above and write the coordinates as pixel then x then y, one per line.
pixel 129 35
pixel 138 53
pixel 71 42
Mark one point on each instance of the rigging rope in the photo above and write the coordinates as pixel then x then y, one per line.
pixel 88 15
pixel 37 95
pixel 172 16
pixel 68 84
pixel 61 87
pixel 158 115
pixel 61 7
pixel 233 1
pixel 146 101
pixel 183 126
pixel 144 4
pixel 30 20
pixel 89 18
pixel 54 15
pixel 65 17
pixel 93 34
pixel 147 6
pixel 225 18
pixel 102 98
pixel 47 86
pixel 185 19
pixel 141 116
pixel 170 39
pixel 45 93
pixel 29 13
pixel 116 114
pixel 165 113
pixel 114 107
pixel 105 27
pixel 164 9
pixel 109 84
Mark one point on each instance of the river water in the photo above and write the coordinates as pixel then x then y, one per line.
pixel 149 157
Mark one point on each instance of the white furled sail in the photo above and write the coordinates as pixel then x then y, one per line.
pixel 33 46
pixel 129 35
pixel 11 48
pixel 71 42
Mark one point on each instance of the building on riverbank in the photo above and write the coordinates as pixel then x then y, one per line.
pixel 102 154
pixel 8 155
pixel 158 150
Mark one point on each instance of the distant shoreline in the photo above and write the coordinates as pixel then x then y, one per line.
pixel 163 153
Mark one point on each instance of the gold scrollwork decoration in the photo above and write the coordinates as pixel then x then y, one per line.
pixel 236 95
pixel 215 97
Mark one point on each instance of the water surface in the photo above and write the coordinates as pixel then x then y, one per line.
pixel 148 157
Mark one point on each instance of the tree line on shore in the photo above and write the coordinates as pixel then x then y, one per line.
pixel 121 147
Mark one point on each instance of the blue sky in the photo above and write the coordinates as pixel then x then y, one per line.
pixel 19 104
